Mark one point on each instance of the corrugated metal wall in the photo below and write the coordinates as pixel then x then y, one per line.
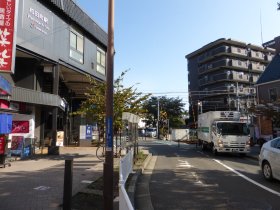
pixel 34 97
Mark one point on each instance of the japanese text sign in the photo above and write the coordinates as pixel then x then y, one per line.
pixel 7 35
pixel 20 126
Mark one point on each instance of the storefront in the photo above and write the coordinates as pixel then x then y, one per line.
pixel 5 119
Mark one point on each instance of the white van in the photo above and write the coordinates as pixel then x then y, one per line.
pixel 151 132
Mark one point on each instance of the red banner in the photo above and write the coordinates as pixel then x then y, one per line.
pixel 7 35
pixel 20 127
pixel 2 144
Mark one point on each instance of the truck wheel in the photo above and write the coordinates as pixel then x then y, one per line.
pixel 215 152
pixel 203 146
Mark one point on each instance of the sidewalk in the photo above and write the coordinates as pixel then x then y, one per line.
pixel 37 182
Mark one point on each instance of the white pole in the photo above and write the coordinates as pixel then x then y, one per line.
pixel 237 96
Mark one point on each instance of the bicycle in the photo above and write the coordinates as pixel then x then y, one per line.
pixel 97 152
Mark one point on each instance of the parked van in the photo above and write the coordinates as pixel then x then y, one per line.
pixel 151 132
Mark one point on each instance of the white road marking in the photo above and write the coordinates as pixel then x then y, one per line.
pixel 248 179
pixel 200 183
pixel 186 164
pixel 183 164
pixel 41 188
pixel 86 181
pixel 147 172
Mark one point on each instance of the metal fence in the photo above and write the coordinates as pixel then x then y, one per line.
pixel 126 166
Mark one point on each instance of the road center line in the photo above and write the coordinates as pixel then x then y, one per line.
pixel 248 179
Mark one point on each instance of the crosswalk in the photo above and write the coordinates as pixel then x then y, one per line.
pixel 183 164
pixel 190 173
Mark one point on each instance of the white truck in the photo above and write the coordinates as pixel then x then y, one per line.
pixel 222 131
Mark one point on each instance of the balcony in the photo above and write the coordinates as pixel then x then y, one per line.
pixel 240 76
pixel 256 67
pixel 257 55
pixel 241 91
pixel 239 64
pixel 269 57
pixel 212 66
pixel 238 51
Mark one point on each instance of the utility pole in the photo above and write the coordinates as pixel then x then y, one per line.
pixel 158 119
pixel 108 195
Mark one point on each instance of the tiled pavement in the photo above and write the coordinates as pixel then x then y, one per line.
pixel 37 183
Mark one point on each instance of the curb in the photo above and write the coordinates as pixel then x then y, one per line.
pixel 134 179
pixel 146 162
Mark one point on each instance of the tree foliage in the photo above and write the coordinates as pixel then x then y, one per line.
pixel 170 108
pixel 125 100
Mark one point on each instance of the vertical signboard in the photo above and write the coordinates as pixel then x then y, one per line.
pixel 17 145
pixel 2 144
pixel 88 132
pixel 60 138
pixel 8 16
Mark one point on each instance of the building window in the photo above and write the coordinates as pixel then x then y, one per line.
pixel 241 75
pixel 101 61
pixel 272 94
pixel 76 46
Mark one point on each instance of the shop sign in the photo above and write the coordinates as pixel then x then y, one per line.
pixel 38 20
pixel 17 145
pixel 8 13
pixel 59 138
pixel 88 132
pixel 20 127
pixel 2 144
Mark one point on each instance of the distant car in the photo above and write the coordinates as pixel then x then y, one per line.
pixel 151 132
pixel 269 159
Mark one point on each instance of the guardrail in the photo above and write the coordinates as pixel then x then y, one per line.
pixel 126 166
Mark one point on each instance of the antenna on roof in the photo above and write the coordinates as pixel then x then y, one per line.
pixel 261 25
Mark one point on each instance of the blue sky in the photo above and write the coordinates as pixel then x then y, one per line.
pixel 152 37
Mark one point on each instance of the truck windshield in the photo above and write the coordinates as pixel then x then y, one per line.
pixel 230 128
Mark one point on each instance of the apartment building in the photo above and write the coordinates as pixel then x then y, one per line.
pixel 57 46
pixel 222 75
pixel 274 44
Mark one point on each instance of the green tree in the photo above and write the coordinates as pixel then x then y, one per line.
pixel 125 100
pixel 171 109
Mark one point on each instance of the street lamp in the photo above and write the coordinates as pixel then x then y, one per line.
pixel 199 107
pixel 158 112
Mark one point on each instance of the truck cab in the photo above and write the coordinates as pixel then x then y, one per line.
pixel 222 131
pixel 230 136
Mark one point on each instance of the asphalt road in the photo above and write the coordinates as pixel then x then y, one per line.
pixel 186 178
